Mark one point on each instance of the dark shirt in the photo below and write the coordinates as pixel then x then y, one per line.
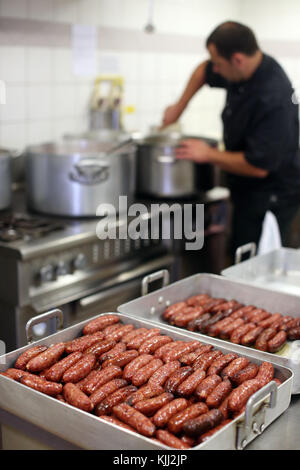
pixel 261 121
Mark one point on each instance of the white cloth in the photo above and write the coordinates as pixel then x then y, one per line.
pixel 270 238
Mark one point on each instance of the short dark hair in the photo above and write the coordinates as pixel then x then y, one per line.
pixel 231 37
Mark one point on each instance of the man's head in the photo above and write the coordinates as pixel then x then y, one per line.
pixel 234 51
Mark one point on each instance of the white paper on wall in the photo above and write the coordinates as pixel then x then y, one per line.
pixel 84 46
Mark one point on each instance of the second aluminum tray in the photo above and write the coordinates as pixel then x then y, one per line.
pixel 151 307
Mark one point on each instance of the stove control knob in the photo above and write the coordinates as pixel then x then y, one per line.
pixel 80 261
pixel 47 273
pixel 62 268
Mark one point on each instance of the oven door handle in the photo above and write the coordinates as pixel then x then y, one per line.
pixel 103 295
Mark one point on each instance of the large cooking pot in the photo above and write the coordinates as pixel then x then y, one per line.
pixel 159 174
pixel 71 178
pixel 5 179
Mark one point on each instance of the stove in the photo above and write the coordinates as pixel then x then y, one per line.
pixel 24 227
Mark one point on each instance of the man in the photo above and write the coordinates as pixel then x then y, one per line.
pixel 260 131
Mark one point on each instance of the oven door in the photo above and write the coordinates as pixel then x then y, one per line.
pixel 115 291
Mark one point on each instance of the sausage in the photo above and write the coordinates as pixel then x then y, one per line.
pixel 219 393
pixel 260 316
pixel 119 333
pixel 144 373
pixel 224 408
pixel 162 416
pixel 170 440
pixel 100 347
pixel 172 309
pixel 15 374
pixel 74 396
pixel 132 334
pixel 277 341
pixel 177 378
pixel 182 319
pixel 137 341
pixel 118 348
pixel 176 353
pixel 113 420
pixel 132 367
pixel 265 373
pixel 80 369
pixel 221 362
pixel 121 359
pixel 150 405
pixel 227 330
pixel 115 398
pixel 203 423
pixel 208 327
pixel 134 418
pixel 144 392
pixel 83 342
pixel 55 372
pixel 100 323
pixel 252 335
pixel 234 366
pixel 81 384
pixel 207 386
pixel 262 341
pixel 177 421
pixel 102 377
pixel 249 372
pixel 196 325
pixel 27 355
pixel 41 385
pixel 294 333
pixel 215 329
pixel 286 320
pixel 163 373
pixel 110 387
pixel 211 432
pixel 241 311
pixel 241 331
pixel 239 396
pixel 189 385
pixel 219 307
pixel 205 360
pixel 208 306
pixel 180 314
pixel 196 300
pixel 189 358
pixel 269 321
pixel 152 344
pixel 166 347
pixel 46 358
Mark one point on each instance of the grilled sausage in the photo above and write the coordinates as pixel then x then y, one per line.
pixel 118 348
pixel 218 364
pixel 115 398
pixel 152 344
pixel 121 359
pixel 118 334
pixel 41 385
pixel 164 414
pixel 144 373
pixel 132 367
pixel 189 385
pixel 241 331
pixel 269 321
pixel 113 420
pixel 143 393
pixel 170 440
pixel 237 364
pixel 262 341
pixel 203 423
pixel 27 355
pixel 163 373
pixel 100 323
pixel 173 309
pixel 132 334
pixel 227 330
pixel 265 373
pixel 177 421
pixel 182 319
pixel 166 347
pixel 206 360
pixel 294 333
pixel 176 353
pixel 135 419
pixel 249 338
pixel 189 358
pixel 80 369
pixel 46 358
pixel 249 372
pixel 74 396
pixel 83 342
pixel 207 386
pixel 150 405
pixel 277 341
pixel 55 372
pixel 219 393
pixel 100 347
pixel 137 341
pixel 177 378
pixel 110 387
pixel 240 395
pixel 102 377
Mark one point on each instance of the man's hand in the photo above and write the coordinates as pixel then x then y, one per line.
pixel 193 149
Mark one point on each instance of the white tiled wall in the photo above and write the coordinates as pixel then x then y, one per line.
pixel 45 99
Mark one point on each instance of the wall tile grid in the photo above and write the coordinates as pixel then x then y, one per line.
pixel 45 99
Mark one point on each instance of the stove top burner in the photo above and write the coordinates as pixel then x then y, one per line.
pixel 19 227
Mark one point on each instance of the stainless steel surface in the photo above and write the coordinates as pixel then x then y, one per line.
pixel 5 179
pixel 56 313
pixel 160 174
pixel 278 270
pixel 72 178
pixel 163 274
pixel 88 432
pixel 152 305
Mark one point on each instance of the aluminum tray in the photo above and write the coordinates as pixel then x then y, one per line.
pixel 151 306
pixel 86 431
pixel 278 270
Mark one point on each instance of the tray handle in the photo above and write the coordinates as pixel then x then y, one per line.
pixel 255 423
pixel 242 250
pixel 162 274
pixel 56 313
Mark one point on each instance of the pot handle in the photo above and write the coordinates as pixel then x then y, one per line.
pixel 56 313
pixel 162 274
pixel 90 171
pixel 241 250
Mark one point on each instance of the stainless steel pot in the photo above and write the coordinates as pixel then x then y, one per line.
pixel 71 178
pixel 5 179
pixel 161 175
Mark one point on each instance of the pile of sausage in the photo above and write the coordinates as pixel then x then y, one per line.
pixel 230 320
pixel 176 392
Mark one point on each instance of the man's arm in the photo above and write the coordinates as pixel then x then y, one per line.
pixel 195 82
pixel 233 162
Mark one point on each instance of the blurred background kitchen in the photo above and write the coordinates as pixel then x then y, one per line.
pixel 61 61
